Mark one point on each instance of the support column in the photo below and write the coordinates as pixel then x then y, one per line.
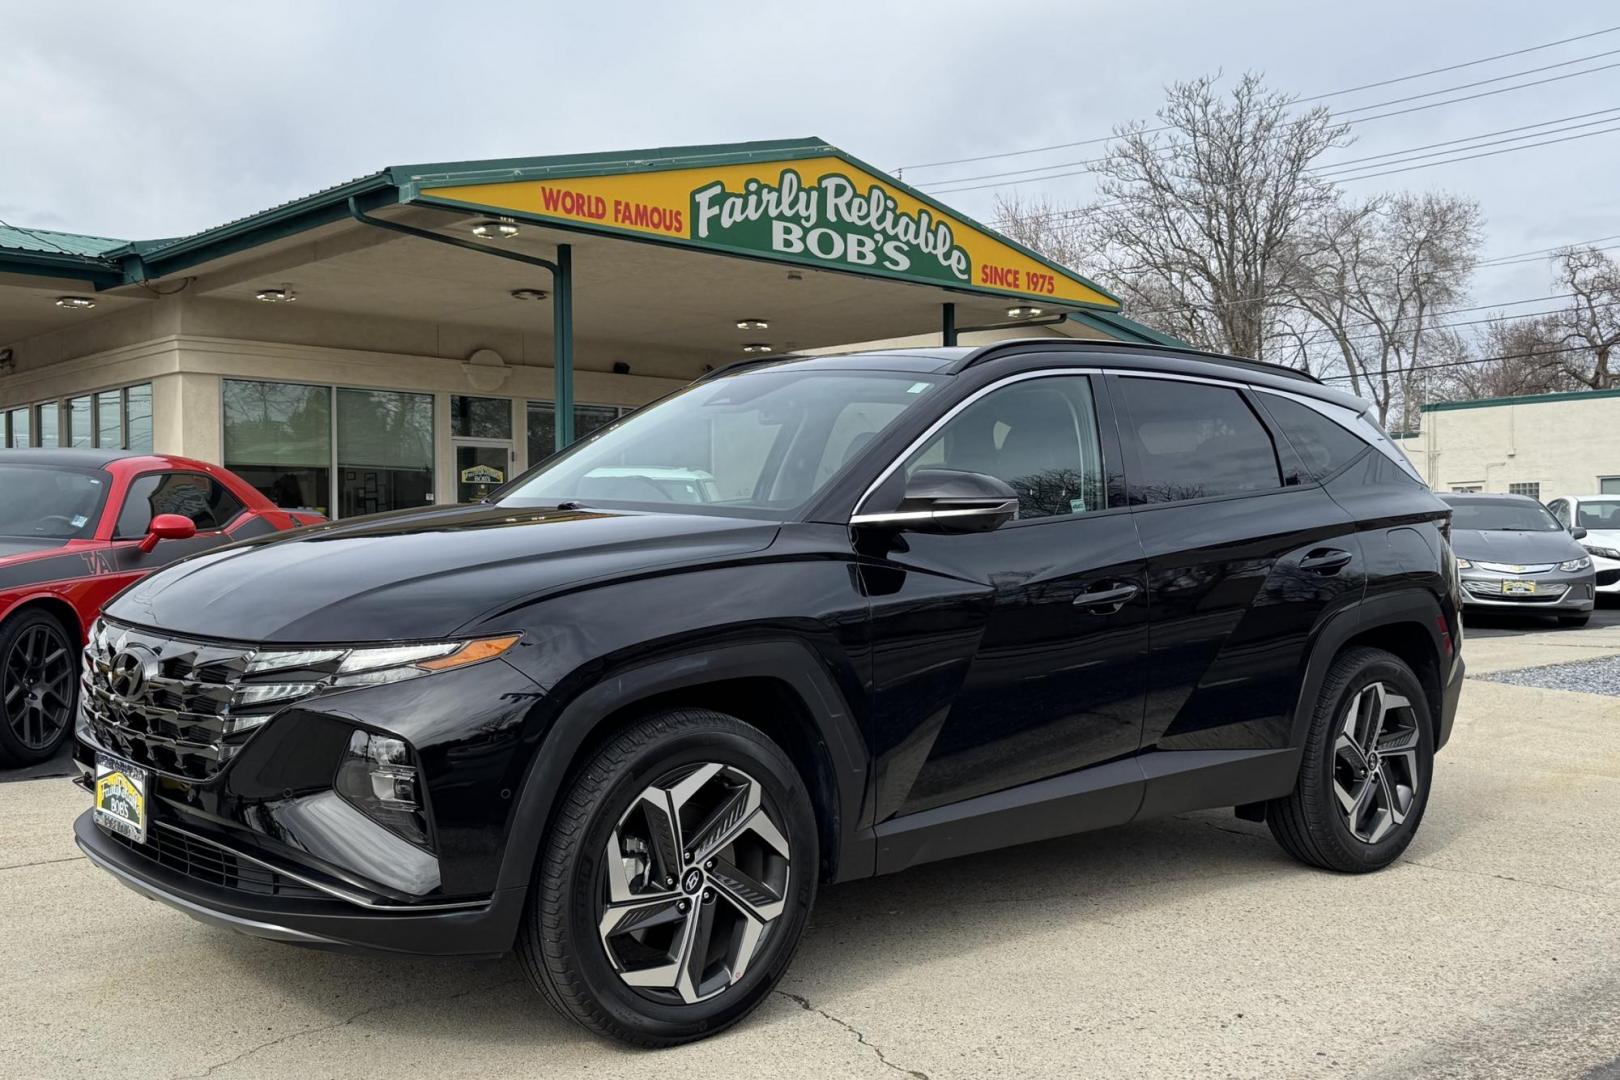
pixel 562 352
pixel 948 327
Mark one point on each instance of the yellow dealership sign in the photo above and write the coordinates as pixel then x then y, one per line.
pixel 826 210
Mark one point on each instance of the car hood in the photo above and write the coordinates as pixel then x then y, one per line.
pixel 19 547
pixel 1515 547
pixel 1609 538
pixel 417 574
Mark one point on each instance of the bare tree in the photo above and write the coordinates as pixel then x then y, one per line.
pixel 1511 357
pixel 1043 226
pixel 1374 276
pixel 1194 224
pixel 1591 323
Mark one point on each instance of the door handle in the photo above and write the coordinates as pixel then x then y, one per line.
pixel 1106 601
pixel 1326 561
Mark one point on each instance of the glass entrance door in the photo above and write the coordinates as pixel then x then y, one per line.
pixel 481 467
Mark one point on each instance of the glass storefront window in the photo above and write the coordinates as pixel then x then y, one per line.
pixel 138 419
pixel 543 426
pixel 17 428
pixel 278 437
pixel 49 417
pixel 110 419
pixel 80 426
pixel 385 451
pixel 480 417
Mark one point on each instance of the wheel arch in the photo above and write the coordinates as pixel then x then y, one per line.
pixel 1406 623
pixel 55 606
pixel 780 687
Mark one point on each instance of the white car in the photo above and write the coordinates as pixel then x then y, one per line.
pixel 1599 516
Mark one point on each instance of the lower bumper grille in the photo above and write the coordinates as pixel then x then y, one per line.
pixel 1492 591
pixel 210 865
pixel 1608 577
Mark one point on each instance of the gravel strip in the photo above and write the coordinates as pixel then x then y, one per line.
pixel 1582 676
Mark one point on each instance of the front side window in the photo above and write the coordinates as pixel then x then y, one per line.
pixel 278 437
pixel 208 503
pixel 1193 441
pixel 1598 514
pixel 49 503
pixel 1037 435
pixel 753 444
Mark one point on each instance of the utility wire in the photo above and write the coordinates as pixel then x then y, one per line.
pixel 1473 157
pixel 1464 363
pixel 1314 97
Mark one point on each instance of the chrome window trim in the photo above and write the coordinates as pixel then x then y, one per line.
pixel 857 518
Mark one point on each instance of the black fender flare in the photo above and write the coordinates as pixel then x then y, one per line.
pixel 1408 605
pixel 788 661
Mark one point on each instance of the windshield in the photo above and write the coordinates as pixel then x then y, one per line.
pixel 1502 515
pixel 760 444
pixel 49 503
pixel 1598 514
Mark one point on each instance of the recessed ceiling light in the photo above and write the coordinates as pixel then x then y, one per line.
pixel 529 294
pixel 275 296
pixel 753 324
pixel 757 346
pixel 495 230
pixel 1023 311
pixel 75 303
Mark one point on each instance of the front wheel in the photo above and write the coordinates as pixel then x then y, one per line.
pixel 39 688
pixel 675 882
pixel 1364 779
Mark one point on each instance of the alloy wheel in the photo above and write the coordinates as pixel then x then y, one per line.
pixel 36 685
pixel 696 875
pixel 1375 762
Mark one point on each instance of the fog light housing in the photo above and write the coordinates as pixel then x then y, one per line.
pixel 378 777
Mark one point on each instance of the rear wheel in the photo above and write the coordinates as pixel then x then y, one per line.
pixel 39 688
pixel 1364 779
pixel 675 882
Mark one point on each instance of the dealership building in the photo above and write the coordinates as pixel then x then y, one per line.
pixel 1541 445
pixel 420 334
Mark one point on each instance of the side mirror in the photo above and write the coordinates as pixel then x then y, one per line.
pixel 948 501
pixel 168 527
pixel 1577 532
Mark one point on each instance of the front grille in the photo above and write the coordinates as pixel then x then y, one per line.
pixel 1492 591
pixel 211 865
pixel 170 704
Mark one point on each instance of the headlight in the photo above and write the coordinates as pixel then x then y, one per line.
pixel 364 666
pixel 1603 552
pixel 377 776
pixel 1464 564
pixel 1569 566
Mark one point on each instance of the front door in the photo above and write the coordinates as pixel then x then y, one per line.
pixel 481 466
pixel 1008 657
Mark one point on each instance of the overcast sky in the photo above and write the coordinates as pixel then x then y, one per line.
pixel 149 119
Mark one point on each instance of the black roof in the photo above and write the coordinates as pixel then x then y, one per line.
pixel 80 458
pixel 1123 354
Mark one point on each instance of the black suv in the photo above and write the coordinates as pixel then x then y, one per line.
pixel 805 621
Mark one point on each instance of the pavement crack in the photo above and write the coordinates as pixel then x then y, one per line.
pixel 41 862
pixel 804 1003
pixel 367 1011
pixel 1509 877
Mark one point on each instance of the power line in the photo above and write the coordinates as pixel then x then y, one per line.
pixel 1358 120
pixel 1465 363
pixel 1335 166
pixel 1314 97
pixel 1473 157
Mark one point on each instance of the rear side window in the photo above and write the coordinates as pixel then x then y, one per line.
pixel 1194 441
pixel 208 503
pixel 1322 445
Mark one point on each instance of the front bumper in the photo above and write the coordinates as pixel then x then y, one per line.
pixel 485 930
pixel 1555 592
pixel 1608 575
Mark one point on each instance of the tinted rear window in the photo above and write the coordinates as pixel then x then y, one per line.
pixel 1194 440
pixel 1322 445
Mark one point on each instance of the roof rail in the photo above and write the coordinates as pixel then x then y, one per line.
pixel 1001 348
pixel 748 362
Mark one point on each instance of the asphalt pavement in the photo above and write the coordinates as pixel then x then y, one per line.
pixel 1187 947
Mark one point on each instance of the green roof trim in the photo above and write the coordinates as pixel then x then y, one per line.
pixel 1119 327
pixel 51 242
pixel 1527 399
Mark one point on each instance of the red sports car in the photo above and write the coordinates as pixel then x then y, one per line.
pixel 76 526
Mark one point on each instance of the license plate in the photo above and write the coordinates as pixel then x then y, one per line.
pixel 121 797
pixel 1518 587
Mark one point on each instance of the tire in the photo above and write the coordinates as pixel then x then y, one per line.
pixel 1575 620
pixel 39 688
pixel 595 923
pixel 1312 823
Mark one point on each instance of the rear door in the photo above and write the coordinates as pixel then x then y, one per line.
pixel 1246 555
